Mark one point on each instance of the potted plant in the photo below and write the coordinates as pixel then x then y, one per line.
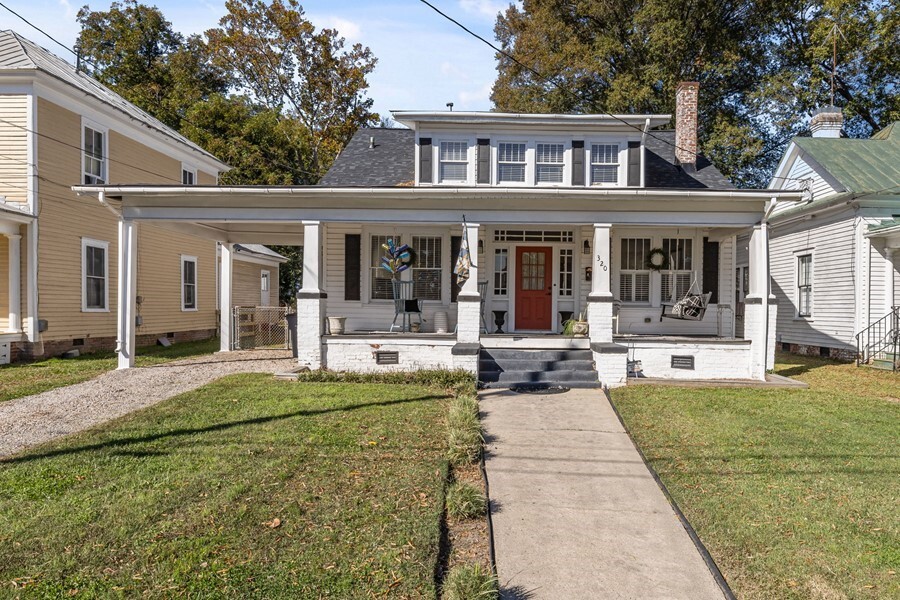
pixel 336 325
pixel 577 327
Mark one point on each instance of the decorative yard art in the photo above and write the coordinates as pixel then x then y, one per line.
pixel 397 258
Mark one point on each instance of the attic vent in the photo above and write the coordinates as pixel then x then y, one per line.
pixel 371 142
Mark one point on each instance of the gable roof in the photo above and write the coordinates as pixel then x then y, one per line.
pixel 389 162
pixel 20 54
pixel 860 165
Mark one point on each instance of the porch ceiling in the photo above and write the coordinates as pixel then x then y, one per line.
pixel 273 214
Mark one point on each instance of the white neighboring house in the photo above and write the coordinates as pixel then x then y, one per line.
pixel 835 253
pixel 561 214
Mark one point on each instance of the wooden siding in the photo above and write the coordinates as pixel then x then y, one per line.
pixel 801 170
pixel 204 178
pixel 834 257
pixel 66 218
pixel 4 283
pixel 14 147
pixel 246 287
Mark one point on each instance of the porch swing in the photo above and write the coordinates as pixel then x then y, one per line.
pixel 691 307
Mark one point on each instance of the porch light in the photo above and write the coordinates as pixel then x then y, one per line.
pixel 586 247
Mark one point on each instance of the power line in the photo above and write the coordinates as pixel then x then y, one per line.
pixel 35 27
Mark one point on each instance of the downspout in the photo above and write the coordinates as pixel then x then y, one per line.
pixel 643 151
pixel 101 196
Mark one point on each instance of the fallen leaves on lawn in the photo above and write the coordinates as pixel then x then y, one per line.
pixel 273 524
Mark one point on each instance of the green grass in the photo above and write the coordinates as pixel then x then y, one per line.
pixel 24 379
pixel 181 499
pixel 465 501
pixel 796 493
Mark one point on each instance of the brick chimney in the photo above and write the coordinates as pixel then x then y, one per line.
pixel 686 95
pixel 827 122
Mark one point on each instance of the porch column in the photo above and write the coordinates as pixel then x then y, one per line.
pixel 226 320
pixel 611 359
pixel 468 307
pixel 14 267
pixel 889 300
pixel 600 299
pixel 759 324
pixel 125 344
pixel 311 299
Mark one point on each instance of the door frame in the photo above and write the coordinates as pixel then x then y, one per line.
pixel 513 288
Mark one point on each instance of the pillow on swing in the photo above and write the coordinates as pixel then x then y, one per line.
pixel 688 307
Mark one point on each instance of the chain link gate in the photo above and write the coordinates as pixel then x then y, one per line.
pixel 260 327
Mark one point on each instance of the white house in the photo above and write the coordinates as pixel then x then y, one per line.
pixel 562 215
pixel 835 251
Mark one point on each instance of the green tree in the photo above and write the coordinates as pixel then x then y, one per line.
pixel 762 65
pixel 133 49
pixel 279 60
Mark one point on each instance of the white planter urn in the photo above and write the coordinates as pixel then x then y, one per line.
pixel 336 325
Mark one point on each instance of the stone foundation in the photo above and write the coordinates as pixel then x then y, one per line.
pixel 25 351
pixel 843 354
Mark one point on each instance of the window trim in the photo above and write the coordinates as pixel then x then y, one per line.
pixel 617 248
pixel 104 159
pixel 470 163
pixel 406 234
pixel 85 242
pixel 621 164
pixel 564 165
pixel 527 163
pixel 184 259
pixel 798 254
pixel 190 169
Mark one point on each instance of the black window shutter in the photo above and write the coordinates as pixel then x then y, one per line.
pixel 577 162
pixel 484 161
pixel 634 164
pixel 455 245
pixel 711 269
pixel 352 264
pixel 425 160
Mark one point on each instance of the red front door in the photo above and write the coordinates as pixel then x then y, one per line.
pixel 534 292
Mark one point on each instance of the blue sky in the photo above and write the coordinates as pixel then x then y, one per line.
pixel 423 60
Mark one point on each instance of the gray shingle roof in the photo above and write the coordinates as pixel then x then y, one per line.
pixel 19 53
pixel 390 163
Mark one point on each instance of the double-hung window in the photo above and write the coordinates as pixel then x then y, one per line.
pixel 428 269
pixel 804 285
pixel 188 283
pixel 188 176
pixel 604 164
pixel 634 277
pixel 676 280
pixel 95 276
pixel 549 163
pixel 380 286
pixel 454 162
pixel 511 163
pixel 94 156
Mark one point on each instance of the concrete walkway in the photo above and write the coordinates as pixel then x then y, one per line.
pixel 577 514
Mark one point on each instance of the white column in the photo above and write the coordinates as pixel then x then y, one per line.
pixel 889 300
pixel 15 297
pixel 468 307
pixel 226 276
pixel 125 345
pixel 759 324
pixel 311 299
pixel 600 308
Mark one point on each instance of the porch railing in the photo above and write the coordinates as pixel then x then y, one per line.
pixel 879 343
pixel 260 327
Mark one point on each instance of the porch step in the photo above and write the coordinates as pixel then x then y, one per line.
pixel 508 367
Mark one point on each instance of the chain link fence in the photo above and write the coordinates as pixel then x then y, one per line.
pixel 260 327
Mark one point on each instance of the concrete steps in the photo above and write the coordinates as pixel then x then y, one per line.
pixel 506 367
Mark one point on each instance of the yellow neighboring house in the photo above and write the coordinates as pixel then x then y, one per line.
pixel 58 251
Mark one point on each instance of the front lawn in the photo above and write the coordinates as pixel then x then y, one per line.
pixel 245 488
pixel 24 379
pixel 796 493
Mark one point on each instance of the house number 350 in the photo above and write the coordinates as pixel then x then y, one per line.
pixel 602 264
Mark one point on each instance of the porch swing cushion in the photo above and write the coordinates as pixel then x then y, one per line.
pixel 689 307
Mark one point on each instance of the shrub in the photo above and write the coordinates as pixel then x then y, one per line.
pixel 464 430
pixel 465 501
pixel 452 380
pixel 470 583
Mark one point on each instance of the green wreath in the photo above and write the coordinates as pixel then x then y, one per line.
pixel 657 260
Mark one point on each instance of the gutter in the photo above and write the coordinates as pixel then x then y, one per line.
pixel 101 196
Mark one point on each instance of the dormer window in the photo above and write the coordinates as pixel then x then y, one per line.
pixel 604 164
pixel 511 164
pixel 454 162
pixel 550 163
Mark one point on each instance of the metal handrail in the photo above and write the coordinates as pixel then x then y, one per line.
pixel 880 339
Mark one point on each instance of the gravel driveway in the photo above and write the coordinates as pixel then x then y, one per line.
pixel 36 419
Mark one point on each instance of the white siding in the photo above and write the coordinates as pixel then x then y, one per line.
pixel 877 287
pixel 834 257
pixel 801 170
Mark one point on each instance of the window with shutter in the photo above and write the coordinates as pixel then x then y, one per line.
pixel 511 162
pixel 454 161
pixel 604 164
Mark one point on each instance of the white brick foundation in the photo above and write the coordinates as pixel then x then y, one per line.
pixel 359 355
pixel 713 359
pixel 310 323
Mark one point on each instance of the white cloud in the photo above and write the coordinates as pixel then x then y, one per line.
pixel 477 99
pixel 70 12
pixel 345 28
pixel 448 69
pixel 487 9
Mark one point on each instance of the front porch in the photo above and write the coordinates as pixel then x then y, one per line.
pixel 532 268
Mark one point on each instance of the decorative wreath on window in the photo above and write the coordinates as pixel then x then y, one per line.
pixel 657 260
